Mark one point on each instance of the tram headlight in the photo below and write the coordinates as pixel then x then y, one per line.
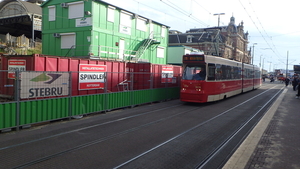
pixel 185 85
pixel 198 88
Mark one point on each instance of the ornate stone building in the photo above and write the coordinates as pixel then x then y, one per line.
pixel 225 41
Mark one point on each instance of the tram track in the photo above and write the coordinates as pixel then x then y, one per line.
pixel 97 141
pixel 188 109
pixel 230 138
pixel 86 128
pixel 36 161
pixel 211 155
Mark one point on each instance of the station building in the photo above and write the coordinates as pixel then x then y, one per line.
pixel 228 41
pixel 20 18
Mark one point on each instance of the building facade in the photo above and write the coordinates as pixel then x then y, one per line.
pixel 225 41
pixel 99 30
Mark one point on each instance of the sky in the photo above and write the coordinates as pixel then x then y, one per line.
pixel 272 25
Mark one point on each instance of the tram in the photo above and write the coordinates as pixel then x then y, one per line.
pixel 209 78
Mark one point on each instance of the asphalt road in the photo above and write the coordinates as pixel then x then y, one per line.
pixel 169 134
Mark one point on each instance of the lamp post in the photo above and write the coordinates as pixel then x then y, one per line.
pixel 218 53
pixel 253 52
pixel 263 65
pixel 219 17
pixel 270 66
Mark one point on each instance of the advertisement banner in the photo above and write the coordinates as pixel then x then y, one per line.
pixel 91 76
pixel 167 74
pixel 44 84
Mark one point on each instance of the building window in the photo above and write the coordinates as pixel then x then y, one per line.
pixel 111 14
pixel 76 10
pixel 189 39
pixel 125 22
pixel 160 52
pixel 141 24
pixel 68 40
pixel 52 11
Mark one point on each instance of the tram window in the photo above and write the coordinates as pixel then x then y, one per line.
pixel 257 74
pixel 218 72
pixel 248 73
pixel 224 72
pixel 211 71
pixel 228 72
pixel 235 72
pixel 194 73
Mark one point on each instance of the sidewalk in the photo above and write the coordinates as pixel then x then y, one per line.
pixel 275 142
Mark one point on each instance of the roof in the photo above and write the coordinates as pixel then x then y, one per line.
pixel 31 8
pixel 100 1
pixel 196 37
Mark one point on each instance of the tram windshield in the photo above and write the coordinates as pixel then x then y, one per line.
pixel 194 73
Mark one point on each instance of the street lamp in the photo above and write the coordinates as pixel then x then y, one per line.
pixel 218 46
pixel 253 52
pixel 263 65
pixel 219 17
pixel 260 61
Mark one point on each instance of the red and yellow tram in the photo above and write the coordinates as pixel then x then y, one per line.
pixel 209 78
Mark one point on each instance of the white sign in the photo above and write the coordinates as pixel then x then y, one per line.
pixel 44 84
pixel 91 76
pixel 15 65
pixel 167 74
pixel 37 24
pixel 125 29
pixel 83 22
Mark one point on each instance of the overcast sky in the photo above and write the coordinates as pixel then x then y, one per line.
pixel 271 24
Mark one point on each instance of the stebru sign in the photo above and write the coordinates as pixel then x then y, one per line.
pixel 44 84
pixel 91 76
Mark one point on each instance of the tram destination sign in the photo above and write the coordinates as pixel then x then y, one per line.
pixel 91 76
pixel 297 69
pixel 193 58
pixel 44 84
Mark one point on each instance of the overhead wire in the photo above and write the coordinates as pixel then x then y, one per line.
pixel 260 32
pixel 190 15
pixel 177 16
pixel 265 32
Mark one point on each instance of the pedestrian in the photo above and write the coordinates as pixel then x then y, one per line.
pixel 287 81
pixel 295 82
pixel 298 92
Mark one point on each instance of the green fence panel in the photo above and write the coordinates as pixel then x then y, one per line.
pixel 88 104
pixel 7 115
pixel 43 110
pixel 142 96
pixel 34 111
pixel 118 100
